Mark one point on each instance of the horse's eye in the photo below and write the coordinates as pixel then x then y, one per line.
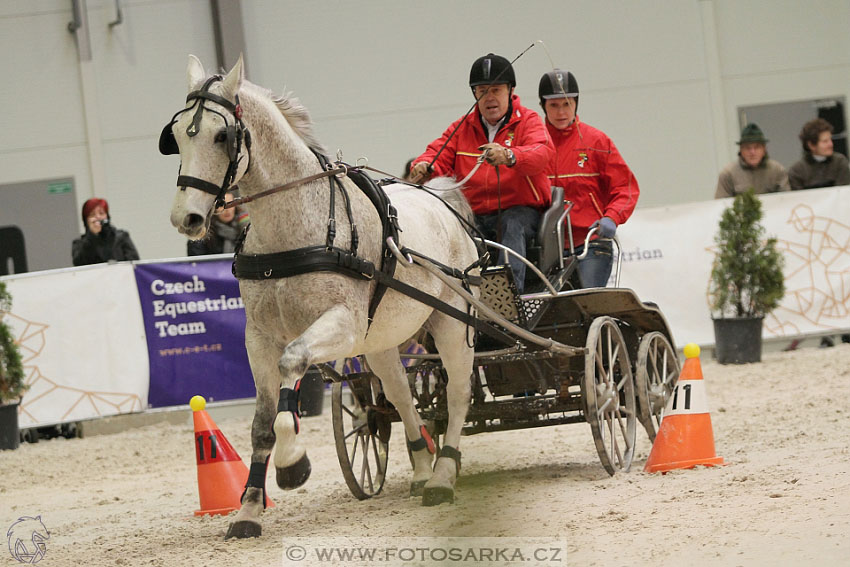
pixel 220 137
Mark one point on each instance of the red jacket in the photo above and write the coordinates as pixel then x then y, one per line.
pixel 594 176
pixel 523 184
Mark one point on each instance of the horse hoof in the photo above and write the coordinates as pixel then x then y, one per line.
pixel 417 487
pixel 243 529
pixel 294 475
pixel 437 495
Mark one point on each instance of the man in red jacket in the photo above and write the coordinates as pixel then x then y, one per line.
pixel 509 191
pixel 592 172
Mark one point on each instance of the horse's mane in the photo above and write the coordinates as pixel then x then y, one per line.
pixel 298 117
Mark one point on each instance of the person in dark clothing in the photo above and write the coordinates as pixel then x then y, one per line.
pixel 225 228
pixel 101 242
pixel 820 165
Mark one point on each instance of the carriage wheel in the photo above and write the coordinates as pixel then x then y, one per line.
pixel 361 449
pixel 609 395
pixel 657 373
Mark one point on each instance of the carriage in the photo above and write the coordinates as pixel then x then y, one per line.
pixel 597 355
pixel 324 248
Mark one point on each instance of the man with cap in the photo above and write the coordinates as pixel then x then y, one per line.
pixel 753 169
pixel 592 172
pixel 101 242
pixel 507 193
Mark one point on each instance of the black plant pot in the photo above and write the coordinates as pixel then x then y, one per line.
pixel 738 340
pixel 10 435
pixel 312 393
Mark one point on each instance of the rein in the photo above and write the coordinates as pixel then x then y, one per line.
pixel 340 170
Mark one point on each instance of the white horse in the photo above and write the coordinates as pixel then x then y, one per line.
pixel 297 321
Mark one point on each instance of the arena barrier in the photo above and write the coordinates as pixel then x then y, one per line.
pixel 668 254
pixel 124 337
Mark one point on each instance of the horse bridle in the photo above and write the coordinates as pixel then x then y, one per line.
pixel 235 133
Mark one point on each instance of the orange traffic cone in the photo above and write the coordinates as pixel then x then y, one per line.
pixel 685 438
pixel 221 473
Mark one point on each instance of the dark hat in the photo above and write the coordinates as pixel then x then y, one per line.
pixel 91 204
pixel 752 133
pixel 492 70
pixel 557 84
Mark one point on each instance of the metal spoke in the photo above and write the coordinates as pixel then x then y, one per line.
pixel 365 471
pixel 609 391
pixel 356 430
pixel 356 444
pixel 348 411
pixel 657 372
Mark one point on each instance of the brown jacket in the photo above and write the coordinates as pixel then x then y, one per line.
pixel 737 177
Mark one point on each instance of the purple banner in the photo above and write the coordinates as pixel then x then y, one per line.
pixel 195 326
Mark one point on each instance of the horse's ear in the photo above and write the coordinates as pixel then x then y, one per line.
pixel 233 81
pixel 195 73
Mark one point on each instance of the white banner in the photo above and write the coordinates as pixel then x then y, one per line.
pixel 85 354
pixel 668 253
pixel 82 343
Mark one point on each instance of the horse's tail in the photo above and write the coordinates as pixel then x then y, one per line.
pixel 448 189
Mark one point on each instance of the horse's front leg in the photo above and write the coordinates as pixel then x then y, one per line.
pixel 275 420
pixel 262 355
pixel 330 337
pixel 450 339
pixel 387 366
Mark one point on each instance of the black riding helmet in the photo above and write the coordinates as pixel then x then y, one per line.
pixel 491 70
pixel 557 84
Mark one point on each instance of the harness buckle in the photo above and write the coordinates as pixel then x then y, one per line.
pixel 339 165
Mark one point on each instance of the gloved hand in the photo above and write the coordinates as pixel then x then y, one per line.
pixel 419 172
pixel 607 227
pixel 495 154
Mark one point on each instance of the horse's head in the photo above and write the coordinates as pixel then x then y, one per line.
pixel 213 144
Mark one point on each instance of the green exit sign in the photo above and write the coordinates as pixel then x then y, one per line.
pixel 59 188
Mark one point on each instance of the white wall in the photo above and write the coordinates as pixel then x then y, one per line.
pixel 385 77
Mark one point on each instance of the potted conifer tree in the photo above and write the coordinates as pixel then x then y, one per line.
pixel 12 385
pixel 746 281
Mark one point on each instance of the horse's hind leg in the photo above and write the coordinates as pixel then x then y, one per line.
pixel 450 339
pixel 387 366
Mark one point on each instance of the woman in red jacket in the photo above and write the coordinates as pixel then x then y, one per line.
pixel 592 172
pixel 506 198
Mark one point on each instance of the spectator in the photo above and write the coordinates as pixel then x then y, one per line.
pixel 101 242
pixel 753 169
pixel 592 172
pixel 225 228
pixel 506 198
pixel 820 165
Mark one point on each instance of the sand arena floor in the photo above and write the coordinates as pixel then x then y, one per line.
pixel 782 499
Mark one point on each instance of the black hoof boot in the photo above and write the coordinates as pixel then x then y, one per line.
pixel 437 495
pixel 244 529
pixel 294 475
pixel 417 487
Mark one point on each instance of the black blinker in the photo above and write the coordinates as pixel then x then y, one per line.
pixel 232 141
pixel 167 142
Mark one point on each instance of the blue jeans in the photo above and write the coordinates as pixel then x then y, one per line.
pixel 595 269
pixel 518 225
